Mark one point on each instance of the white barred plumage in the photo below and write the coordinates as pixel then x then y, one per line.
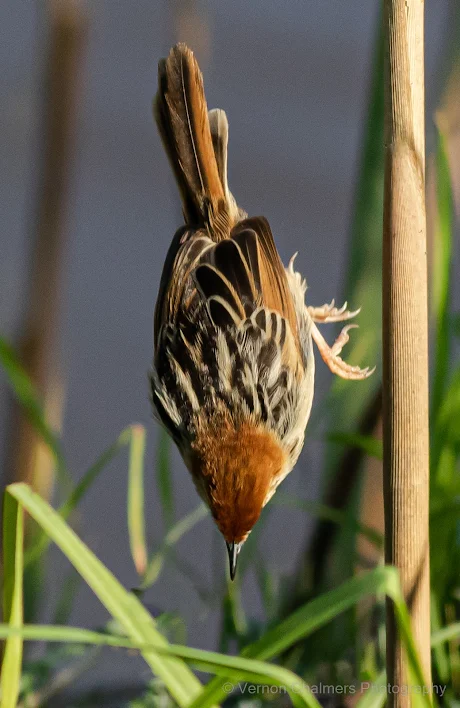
pixel 233 372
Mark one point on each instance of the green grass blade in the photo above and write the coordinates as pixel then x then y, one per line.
pixel 441 277
pixel 415 671
pixel 250 666
pixel 94 471
pixel 13 569
pixel 440 656
pixel 374 697
pixel 122 605
pixel 445 449
pixel 27 396
pixel 40 542
pixel 446 634
pixel 318 612
pixel 136 519
pixel 447 419
pixel 164 477
pixel 239 669
pixel 76 495
pixel 268 589
pixel 238 665
pixel 198 582
pixel 238 620
pixel 66 598
pixel 234 623
pixel 175 533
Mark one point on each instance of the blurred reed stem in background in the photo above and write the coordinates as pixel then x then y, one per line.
pixel 29 458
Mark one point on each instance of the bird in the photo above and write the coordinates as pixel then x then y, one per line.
pixel 233 369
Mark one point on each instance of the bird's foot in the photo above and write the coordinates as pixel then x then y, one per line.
pixel 331 356
pixel 330 313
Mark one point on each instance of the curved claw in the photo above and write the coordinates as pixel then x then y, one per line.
pixel 345 371
pixel 330 313
pixel 342 339
pixel 330 355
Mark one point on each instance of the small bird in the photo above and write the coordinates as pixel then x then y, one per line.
pixel 233 371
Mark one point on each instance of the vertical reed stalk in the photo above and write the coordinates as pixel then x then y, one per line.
pixel 29 458
pixel 405 333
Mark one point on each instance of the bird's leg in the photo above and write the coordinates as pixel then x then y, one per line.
pixel 331 356
pixel 330 313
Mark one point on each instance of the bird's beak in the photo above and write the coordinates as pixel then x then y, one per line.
pixel 233 550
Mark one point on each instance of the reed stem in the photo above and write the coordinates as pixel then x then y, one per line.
pixel 405 334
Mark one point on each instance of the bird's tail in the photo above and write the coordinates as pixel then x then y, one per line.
pixel 195 142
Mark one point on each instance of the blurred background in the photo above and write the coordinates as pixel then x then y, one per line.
pixel 88 207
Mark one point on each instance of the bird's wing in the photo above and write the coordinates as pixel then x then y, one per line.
pixel 230 282
pixel 244 283
pixel 177 292
pixel 274 288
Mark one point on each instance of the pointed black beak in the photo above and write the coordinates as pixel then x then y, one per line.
pixel 233 550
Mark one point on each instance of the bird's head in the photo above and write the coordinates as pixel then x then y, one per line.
pixel 236 470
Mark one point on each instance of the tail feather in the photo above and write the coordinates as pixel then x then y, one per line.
pixel 218 124
pixel 182 117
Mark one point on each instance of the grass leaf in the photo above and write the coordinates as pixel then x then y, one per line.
pixel 76 495
pixel 236 667
pixel 26 394
pixel 164 478
pixel 445 634
pixel 122 605
pixel 136 519
pixel 175 533
pixel 440 656
pixel 317 613
pixel 441 277
pixel 13 569
pixel 376 695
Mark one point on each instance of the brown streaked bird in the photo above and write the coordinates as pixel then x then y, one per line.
pixel 233 372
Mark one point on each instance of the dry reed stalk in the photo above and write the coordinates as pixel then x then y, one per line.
pixel 405 333
pixel 29 459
